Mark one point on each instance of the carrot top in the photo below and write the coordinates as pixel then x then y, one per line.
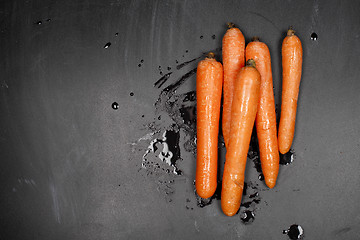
pixel 250 63
pixel 210 55
pixel 255 39
pixel 291 31
pixel 230 25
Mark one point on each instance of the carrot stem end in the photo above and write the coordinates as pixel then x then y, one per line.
pixel 250 63
pixel 255 39
pixel 230 25
pixel 210 55
pixel 291 31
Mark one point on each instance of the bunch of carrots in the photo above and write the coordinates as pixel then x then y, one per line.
pixel 248 99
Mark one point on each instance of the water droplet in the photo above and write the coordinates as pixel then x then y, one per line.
pixel 142 115
pixel 314 36
pixel 131 94
pixel 142 60
pixel 162 80
pixel 256 194
pixel 213 36
pixel 188 114
pixel 246 204
pixel 48 20
pixel 107 45
pixel 116 34
pixel 139 65
pixel 187 51
pixel 39 23
pixel 168 68
pixel 287 158
pixel 161 73
pixel 159 117
pixel 261 177
pixel 176 61
pixel 201 37
pixel 247 216
pixel 294 232
pixel 115 106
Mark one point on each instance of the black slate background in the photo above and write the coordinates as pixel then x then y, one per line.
pixel 71 165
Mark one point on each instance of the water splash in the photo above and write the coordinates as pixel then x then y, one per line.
pixel 107 45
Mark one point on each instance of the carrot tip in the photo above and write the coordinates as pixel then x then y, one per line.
pixel 250 63
pixel 255 39
pixel 270 184
pixel 210 55
pixel 230 25
pixel 291 31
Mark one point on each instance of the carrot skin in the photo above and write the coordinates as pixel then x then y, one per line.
pixel 292 68
pixel 246 97
pixel 266 117
pixel 233 50
pixel 209 78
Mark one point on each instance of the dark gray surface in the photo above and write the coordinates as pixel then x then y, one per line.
pixel 70 164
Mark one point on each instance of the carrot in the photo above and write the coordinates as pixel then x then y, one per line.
pixel 291 64
pixel 233 50
pixel 244 107
pixel 209 78
pixel 266 117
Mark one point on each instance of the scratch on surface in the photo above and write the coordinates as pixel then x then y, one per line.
pixel 196 226
pixel 239 230
pixel 30 182
pixel 129 33
pixel 55 202
pixel 147 136
pixel 341 231
pixel 265 18
pixel 38 62
pixel 153 26
pixel 315 13
pixel 4 84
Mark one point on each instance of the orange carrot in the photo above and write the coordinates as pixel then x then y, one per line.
pixel 209 78
pixel 266 117
pixel 233 50
pixel 244 108
pixel 291 64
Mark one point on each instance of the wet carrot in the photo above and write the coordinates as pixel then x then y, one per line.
pixel 209 79
pixel 233 50
pixel 291 64
pixel 244 108
pixel 266 117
